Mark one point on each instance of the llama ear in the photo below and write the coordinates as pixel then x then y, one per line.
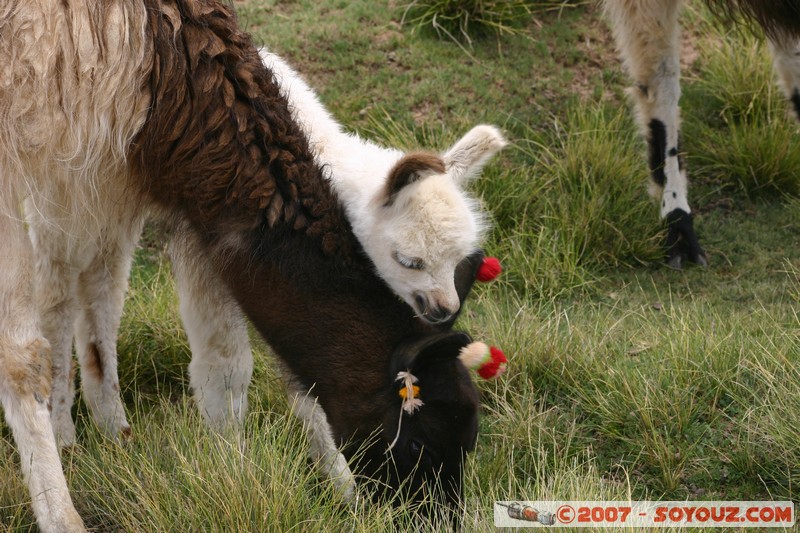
pixel 466 158
pixel 411 168
pixel 465 274
pixel 438 345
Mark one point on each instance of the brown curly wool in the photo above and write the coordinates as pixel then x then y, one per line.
pixel 219 143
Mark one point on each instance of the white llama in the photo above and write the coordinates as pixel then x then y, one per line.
pixel 416 239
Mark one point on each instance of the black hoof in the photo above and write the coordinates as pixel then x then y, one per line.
pixel 675 262
pixel 681 244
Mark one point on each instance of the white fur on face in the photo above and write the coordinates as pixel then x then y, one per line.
pixel 436 223
pixel 432 219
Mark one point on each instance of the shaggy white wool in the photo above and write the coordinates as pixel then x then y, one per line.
pixel 71 100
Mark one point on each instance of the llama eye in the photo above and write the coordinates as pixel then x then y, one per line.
pixel 413 263
pixel 421 453
pixel 415 448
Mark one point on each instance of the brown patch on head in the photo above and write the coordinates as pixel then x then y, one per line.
pixel 410 168
pixel 93 362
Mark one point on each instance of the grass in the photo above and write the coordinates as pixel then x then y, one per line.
pixel 745 142
pixel 461 20
pixel 626 379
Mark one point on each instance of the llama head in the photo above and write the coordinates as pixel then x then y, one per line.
pixel 418 456
pixel 433 441
pixel 424 223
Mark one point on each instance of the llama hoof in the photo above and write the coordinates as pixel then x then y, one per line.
pixel 71 523
pixel 681 243
pixel 347 491
pixel 125 435
pixel 65 435
pixel 701 260
pixel 343 479
pixel 59 517
pixel 675 262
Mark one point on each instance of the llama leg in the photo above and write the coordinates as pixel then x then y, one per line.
pixel 222 363
pixel 55 291
pixel 23 396
pixel 25 376
pixel 101 295
pixel 323 449
pixel 648 38
pixel 786 54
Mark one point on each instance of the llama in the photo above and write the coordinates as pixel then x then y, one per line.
pixel 648 38
pixel 415 249
pixel 359 172
pixel 114 111
pixel 364 336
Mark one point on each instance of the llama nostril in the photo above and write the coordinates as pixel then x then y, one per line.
pixel 439 314
pixel 422 303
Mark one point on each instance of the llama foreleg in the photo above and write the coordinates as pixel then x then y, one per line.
pixel 786 55
pixel 25 376
pixel 55 298
pixel 222 363
pixel 29 419
pixel 101 296
pixel 323 450
pixel 648 38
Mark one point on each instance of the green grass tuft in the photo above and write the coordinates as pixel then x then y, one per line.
pixel 756 158
pixel 737 130
pixel 576 205
pixel 462 19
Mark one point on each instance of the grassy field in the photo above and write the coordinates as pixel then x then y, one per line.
pixel 626 379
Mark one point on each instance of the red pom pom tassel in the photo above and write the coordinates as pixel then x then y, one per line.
pixel 489 361
pixel 490 268
pixel 496 366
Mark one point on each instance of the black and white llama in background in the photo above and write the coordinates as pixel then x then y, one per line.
pixel 648 37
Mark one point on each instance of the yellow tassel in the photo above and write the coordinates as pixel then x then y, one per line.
pixel 414 392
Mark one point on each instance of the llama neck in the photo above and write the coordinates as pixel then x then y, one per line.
pixel 221 148
pixel 356 168
pixel 333 327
